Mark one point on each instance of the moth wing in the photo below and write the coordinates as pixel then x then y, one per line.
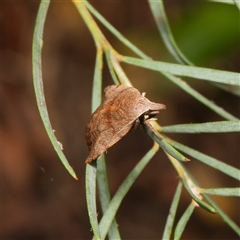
pixel 105 140
pixel 114 118
pixel 111 92
pixel 110 112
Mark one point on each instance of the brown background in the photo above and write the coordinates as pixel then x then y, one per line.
pixel 39 199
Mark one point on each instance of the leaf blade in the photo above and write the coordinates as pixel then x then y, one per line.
pixel 90 183
pixel 123 189
pixel 38 83
pixel 183 221
pixel 212 162
pixel 172 212
pixel 218 76
pixel 157 9
pixel 223 191
pixel 210 127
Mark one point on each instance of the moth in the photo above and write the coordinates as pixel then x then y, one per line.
pixel 120 111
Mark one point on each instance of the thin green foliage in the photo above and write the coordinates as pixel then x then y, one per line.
pixel 208 103
pixel 110 67
pixel 210 127
pixel 183 221
pixel 236 2
pixel 97 80
pixel 38 83
pixel 233 192
pixel 199 73
pixel 223 215
pixel 123 189
pixel 158 11
pixel 212 162
pixel 104 195
pixel 91 173
pixel 110 206
pixel 190 185
pixel 160 18
pixel 172 213
pixel 114 31
pixel 179 82
pixel 156 136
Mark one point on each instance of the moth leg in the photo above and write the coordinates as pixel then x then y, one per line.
pixel 136 124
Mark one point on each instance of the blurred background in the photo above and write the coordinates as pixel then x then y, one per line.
pixel 39 199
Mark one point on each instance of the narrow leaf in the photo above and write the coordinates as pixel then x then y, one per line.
pixel 237 3
pixel 123 189
pixel 212 162
pixel 149 129
pixel 160 18
pixel 114 31
pixel 224 216
pixel 211 127
pixel 97 80
pixel 221 1
pixel 193 190
pixel 172 213
pixel 174 79
pixel 104 195
pixel 189 187
pixel 38 83
pixel 91 172
pixel 223 191
pixel 187 88
pixel 200 73
pixel 183 221
pixel 110 67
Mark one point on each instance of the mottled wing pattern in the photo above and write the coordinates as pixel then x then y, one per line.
pixel 114 118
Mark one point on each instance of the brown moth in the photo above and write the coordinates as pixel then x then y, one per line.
pixel 120 110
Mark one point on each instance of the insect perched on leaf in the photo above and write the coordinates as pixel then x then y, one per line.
pixel 120 111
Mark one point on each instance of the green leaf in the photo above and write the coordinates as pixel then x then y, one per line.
pixel 223 191
pixel 38 83
pixel 97 80
pixel 104 195
pixel 91 172
pixel 123 189
pixel 221 1
pixel 110 67
pixel 156 136
pixel 160 18
pixel 200 73
pixel 236 2
pixel 183 221
pixel 183 85
pixel 172 213
pixel 224 216
pixel 210 127
pixel 212 162
pixel 114 31
pixel 174 79
pixel 188 184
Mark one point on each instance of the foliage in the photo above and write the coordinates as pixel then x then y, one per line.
pixel 96 171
